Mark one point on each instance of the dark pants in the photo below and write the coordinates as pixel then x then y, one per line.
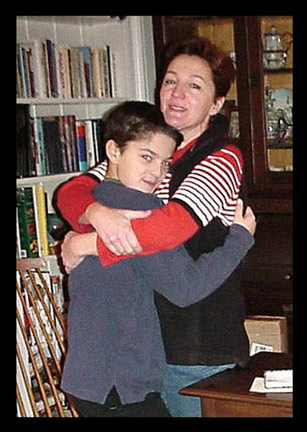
pixel 152 406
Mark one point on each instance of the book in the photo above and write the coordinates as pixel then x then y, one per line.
pixel 97 74
pixel 274 381
pixel 278 378
pixel 56 144
pixel 81 145
pixel 52 73
pixel 86 70
pixel 64 72
pixel 39 69
pixel 45 69
pixel 24 162
pixel 39 201
pixel 26 223
pixel 90 145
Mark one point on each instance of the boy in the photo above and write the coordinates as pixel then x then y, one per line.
pixel 115 360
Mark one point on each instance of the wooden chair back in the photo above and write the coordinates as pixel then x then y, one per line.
pixel 41 343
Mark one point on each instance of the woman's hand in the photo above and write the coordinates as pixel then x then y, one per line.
pixel 114 228
pixel 76 247
pixel 70 256
pixel 248 220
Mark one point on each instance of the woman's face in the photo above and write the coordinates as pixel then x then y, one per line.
pixel 188 95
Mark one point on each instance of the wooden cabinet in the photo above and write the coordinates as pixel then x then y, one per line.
pixel 270 186
pixel 270 191
pixel 267 270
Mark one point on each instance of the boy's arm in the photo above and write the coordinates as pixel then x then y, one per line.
pixel 185 281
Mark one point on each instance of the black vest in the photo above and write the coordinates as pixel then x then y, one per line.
pixel 210 332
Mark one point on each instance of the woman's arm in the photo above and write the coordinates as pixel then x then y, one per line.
pixel 75 202
pixel 76 247
pixel 212 186
pixel 166 228
pixel 73 198
pixel 210 190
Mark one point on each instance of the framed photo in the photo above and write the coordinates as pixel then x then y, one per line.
pixel 234 128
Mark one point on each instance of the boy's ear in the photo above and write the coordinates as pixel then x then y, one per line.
pixel 112 151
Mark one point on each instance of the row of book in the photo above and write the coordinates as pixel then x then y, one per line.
pixel 48 70
pixel 57 144
pixel 37 232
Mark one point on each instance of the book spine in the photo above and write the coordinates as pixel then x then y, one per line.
pixel 87 70
pixel 23 141
pixel 41 145
pixel 81 140
pixel 39 69
pixel 90 150
pixel 73 141
pixel 97 74
pixel 41 219
pixel 26 218
pixel 52 68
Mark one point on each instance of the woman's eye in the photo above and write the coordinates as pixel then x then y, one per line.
pixel 167 164
pixel 195 86
pixel 148 158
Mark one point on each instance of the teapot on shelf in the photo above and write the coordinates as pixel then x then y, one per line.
pixel 276 49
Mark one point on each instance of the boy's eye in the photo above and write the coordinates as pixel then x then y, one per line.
pixel 169 81
pixel 148 158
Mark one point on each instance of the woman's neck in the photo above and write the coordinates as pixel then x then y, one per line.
pixel 187 140
pixel 189 135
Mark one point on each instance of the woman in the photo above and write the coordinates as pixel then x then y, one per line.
pixel 201 189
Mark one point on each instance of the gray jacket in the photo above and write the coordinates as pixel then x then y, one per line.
pixel 114 336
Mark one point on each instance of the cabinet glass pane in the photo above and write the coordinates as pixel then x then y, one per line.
pixel 276 32
pixel 220 31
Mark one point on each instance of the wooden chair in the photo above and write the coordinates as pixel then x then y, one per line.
pixel 41 336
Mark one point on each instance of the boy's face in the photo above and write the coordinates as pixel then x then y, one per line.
pixel 142 164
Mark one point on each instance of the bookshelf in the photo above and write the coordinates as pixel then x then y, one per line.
pixel 132 74
pixel 131 42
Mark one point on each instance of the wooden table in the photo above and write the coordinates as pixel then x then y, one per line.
pixel 227 394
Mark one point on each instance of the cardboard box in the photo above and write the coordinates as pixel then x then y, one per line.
pixel 266 333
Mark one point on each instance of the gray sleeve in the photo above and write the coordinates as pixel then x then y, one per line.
pixel 184 281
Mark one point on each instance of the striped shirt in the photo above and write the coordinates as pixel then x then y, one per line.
pixel 210 190
pixel 212 187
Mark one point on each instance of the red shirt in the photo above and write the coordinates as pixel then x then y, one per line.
pixel 210 190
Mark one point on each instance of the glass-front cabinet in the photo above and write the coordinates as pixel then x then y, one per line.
pixel 277 41
pixel 259 106
pixel 259 103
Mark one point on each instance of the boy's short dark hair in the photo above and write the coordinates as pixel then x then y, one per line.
pixel 133 121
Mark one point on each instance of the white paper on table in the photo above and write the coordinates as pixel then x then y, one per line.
pixel 258 387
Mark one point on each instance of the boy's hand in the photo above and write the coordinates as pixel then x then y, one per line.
pixel 114 228
pixel 248 220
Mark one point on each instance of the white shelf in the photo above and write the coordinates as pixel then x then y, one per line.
pixel 50 183
pixel 72 101
pixel 71 19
